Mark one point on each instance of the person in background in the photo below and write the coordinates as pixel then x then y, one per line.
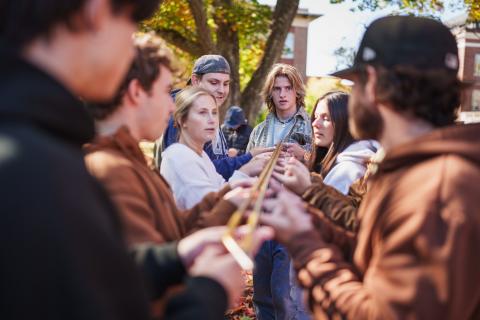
pixel 212 73
pixel 419 221
pixel 337 157
pixel 275 293
pixel 338 161
pixel 236 131
pixel 185 165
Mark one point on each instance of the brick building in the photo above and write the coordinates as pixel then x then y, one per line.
pixel 468 40
pixel 295 50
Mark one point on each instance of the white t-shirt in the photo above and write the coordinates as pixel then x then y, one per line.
pixel 190 175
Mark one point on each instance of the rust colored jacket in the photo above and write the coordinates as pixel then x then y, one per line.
pixel 144 199
pixel 416 255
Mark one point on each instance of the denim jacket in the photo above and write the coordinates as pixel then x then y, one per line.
pixel 301 134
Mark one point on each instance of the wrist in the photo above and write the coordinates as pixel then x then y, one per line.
pixel 306 156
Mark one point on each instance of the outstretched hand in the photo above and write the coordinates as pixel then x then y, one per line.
pixel 203 254
pixel 295 150
pixel 286 214
pixel 293 175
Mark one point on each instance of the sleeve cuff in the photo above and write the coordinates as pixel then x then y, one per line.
pixel 302 245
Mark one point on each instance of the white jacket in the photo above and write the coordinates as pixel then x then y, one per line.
pixel 350 164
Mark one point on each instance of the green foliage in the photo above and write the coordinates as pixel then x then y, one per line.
pixel 317 87
pixel 248 18
pixel 424 7
pixel 261 116
pixel 173 15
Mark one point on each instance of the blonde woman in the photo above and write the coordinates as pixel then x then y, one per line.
pixel 185 165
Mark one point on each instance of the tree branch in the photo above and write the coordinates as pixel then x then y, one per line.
pixel 228 46
pixel 178 40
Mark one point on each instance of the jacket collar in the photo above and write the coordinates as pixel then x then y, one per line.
pixel 32 96
pixel 301 113
pixel 122 141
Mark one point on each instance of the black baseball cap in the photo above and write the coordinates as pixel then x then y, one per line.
pixel 422 43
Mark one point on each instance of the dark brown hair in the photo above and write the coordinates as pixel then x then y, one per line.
pixel 21 21
pixel 431 95
pixel 151 53
pixel 323 159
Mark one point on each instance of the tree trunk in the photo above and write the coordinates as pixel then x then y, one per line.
pixel 251 100
pixel 203 31
pixel 228 46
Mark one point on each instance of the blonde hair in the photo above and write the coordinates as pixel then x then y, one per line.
pixel 293 76
pixel 184 101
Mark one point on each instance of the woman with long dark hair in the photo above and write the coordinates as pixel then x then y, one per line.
pixel 337 162
pixel 336 155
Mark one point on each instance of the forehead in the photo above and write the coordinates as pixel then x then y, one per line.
pixel 322 107
pixel 204 101
pixel 281 81
pixel 216 76
pixel 165 75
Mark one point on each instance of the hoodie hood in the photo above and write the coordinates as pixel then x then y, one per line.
pixel 359 152
pixel 30 95
pixel 459 140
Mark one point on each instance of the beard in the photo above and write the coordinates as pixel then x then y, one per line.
pixel 365 122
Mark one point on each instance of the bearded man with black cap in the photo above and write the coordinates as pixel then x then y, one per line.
pixel 414 254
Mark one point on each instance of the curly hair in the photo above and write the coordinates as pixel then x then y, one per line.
pixel 431 95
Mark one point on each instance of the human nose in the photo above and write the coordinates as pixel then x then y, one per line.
pixel 211 117
pixel 220 89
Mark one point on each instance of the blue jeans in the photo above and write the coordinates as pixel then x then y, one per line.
pixel 276 295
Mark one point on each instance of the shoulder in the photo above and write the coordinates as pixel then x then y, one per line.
pixel 106 162
pixel 302 113
pixel 23 146
pixel 260 126
pixel 458 176
pixel 442 181
pixel 177 149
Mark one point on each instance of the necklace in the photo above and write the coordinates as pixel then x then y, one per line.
pixel 284 122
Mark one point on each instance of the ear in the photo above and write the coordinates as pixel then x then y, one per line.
pixel 195 79
pixel 134 93
pixel 94 13
pixel 371 84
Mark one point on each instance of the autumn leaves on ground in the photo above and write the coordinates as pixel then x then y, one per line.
pixel 244 309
